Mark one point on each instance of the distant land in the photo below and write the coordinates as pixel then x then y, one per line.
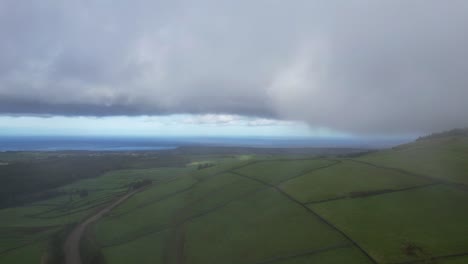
pixel 220 204
pixel 49 143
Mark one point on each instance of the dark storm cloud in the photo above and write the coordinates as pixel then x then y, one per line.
pixel 359 66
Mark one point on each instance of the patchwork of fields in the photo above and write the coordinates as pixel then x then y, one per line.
pixel 324 210
pixel 26 232
pixel 375 208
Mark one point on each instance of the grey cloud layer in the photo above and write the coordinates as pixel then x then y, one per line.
pixel 360 66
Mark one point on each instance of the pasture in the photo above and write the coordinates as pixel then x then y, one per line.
pixel 307 210
pixel 26 231
pixel 404 226
pixel 397 206
pixel 346 179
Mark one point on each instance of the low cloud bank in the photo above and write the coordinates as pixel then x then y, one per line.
pixel 365 67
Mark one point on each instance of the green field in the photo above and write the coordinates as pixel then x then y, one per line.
pixel 445 158
pixel 403 205
pixel 327 256
pixel 361 211
pixel 433 219
pixel 240 219
pixel 347 178
pixel 265 218
pixel 28 253
pixel 276 171
pixel 26 231
pixel 131 252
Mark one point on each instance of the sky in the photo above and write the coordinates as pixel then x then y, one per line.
pixel 290 68
pixel 177 125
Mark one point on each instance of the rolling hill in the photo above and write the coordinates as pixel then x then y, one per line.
pixel 408 204
pixel 403 205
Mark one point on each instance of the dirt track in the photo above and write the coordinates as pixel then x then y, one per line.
pixel 71 247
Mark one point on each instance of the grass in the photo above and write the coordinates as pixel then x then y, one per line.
pixel 154 194
pixel 143 213
pixel 222 214
pixel 277 171
pixel 137 250
pixel 348 255
pixel 71 208
pixel 121 178
pixel 430 220
pixel 18 217
pixel 31 253
pixel 220 168
pixel 16 237
pixel 21 227
pixel 152 218
pixel 261 226
pixel 345 179
pixel 223 195
pixel 454 260
pixel 445 159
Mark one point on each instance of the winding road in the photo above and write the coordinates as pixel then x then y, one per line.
pixel 71 247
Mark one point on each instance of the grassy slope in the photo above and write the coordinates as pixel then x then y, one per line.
pixel 347 255
pixel 454 260
pixel 345 178
pixel 277 171
pixel 220 215
pixel 131 252
pixel 226 218
pixel 26 229
pixel 31 253
pixel 223 217
pixel 433 218
pixel 444 158
pixel 256 228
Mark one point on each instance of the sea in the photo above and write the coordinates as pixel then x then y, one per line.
pixel 100 143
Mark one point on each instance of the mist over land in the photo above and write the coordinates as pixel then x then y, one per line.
pixel 234 132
